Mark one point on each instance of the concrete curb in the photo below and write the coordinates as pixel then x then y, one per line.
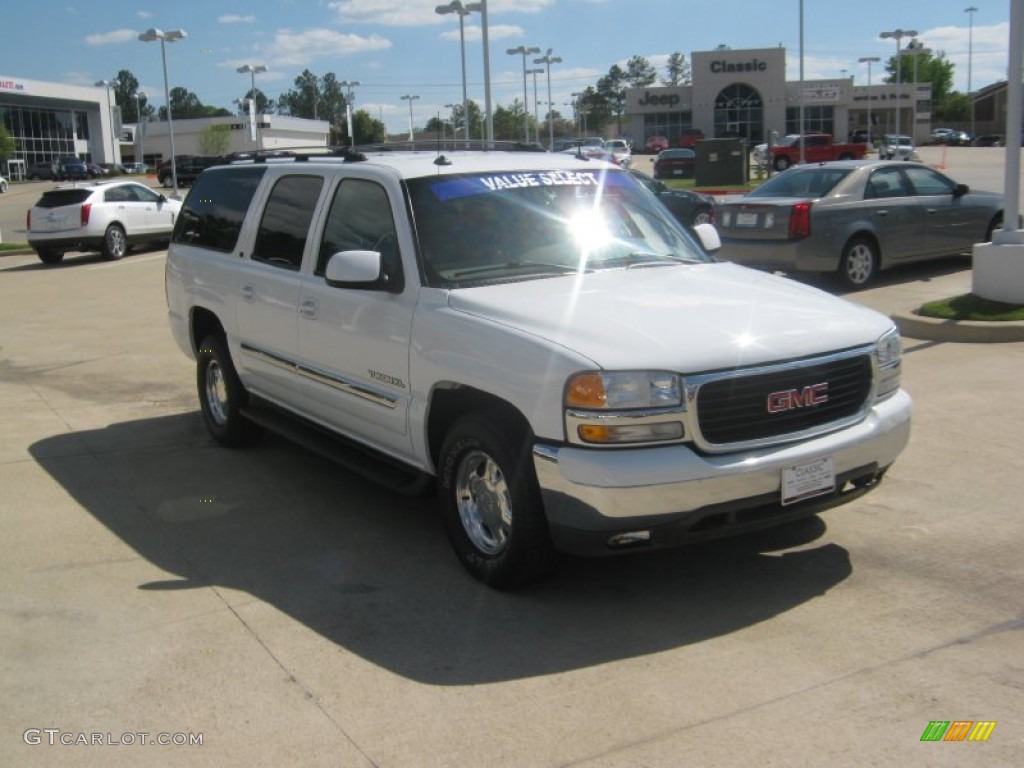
pixel 958 331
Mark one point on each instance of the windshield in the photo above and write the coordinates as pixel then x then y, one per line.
pixel 500 227
pixel 801 182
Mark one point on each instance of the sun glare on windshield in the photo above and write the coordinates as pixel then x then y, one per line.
pixel 589 230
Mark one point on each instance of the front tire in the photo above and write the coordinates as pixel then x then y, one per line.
pixel 996 223
pixel 115 244
pixel 490 502
pixel 222 396
pixel 859 264
pixel 781 163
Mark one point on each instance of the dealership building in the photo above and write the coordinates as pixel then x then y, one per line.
pixel 745 94
pixel 49 121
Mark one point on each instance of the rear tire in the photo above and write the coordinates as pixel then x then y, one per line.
pixel 222 396
pixel 781 163
pixel 115 244
pixel 490 502
pixel 859 264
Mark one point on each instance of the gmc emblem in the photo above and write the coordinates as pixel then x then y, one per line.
pixel 791 399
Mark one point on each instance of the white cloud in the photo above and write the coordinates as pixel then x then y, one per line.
pixel 234 18
pixel 405 13
pixel 144 14
pixel 117 36
pixel 296 49
pixel 495 32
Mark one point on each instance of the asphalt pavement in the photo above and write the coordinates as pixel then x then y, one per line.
pixel 156 587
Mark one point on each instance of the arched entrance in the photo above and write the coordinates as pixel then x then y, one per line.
pixel 739 113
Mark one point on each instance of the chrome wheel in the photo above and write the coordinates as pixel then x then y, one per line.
pixel 702 218
pixel 216 393
pixel 484 502
pixel 115 244
pixel 860 264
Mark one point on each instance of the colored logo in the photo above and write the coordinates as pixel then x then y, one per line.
pixel 958 730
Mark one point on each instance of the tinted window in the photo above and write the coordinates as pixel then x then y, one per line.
pixel 928 182
pixel 885 182
pixel 60 197
pixel 801 182
pixel 281 238
pixel 360 219
pixel 215 208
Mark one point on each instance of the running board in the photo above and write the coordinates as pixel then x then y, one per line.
pixel 363 461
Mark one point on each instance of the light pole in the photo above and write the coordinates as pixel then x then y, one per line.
pixel 481 8
pixel 547 59
pixel 410 98
pixel 869 60
pixel 970 59
pixel 898 35
pixel 253 70
pixel 524 51
pixel 138 125
pixel 175 34
pixel 110 85
pixel 916 49
pixel 457 7
pixel 348 85
pixel 579 116
pixel 536 102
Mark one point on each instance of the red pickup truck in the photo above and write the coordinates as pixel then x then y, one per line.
pixel 818 148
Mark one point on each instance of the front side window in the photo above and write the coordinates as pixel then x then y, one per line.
pixel 502 227
pixel 928 182
pixel 885 182
pixel 281 238
pixel 360 219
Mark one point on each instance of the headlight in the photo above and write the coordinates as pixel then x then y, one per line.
pixel 623 390
pixel 889 349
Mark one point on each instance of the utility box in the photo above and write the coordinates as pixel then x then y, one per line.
pixel 721 162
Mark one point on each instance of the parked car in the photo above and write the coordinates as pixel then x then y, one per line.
pixel 96 171
pixel 533 337
pixel 3 185
pixel 621 151
pixel 72 168
pixel 689 208
pixel 107 216
pixel 855 218
pixel 655 144
pixel 989 140
pixel 675 164
pixel 895 147
pixel 861 136
pixel 688 137
pixel 136 168
pixel 43 169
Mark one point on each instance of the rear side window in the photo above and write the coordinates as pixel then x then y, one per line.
pixel 61 197
pixel 281 239
pixel 215 208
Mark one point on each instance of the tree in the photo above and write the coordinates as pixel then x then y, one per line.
pixel 475 120
pixel 7 145
pixel 262 102
pixel 593 109
pixel 367 129
pixel 612 89
pixel 127 85
pixel 935 70
pixel 677 71
pixel 639 72
pixel 215 140
pixel 955 108
pixel 184 105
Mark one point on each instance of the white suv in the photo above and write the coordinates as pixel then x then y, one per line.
pixel 107 216
pixel 534 335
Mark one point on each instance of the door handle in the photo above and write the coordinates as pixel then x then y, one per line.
pixel 883 212
pixel 248 293
pixel 932 210
pixel 308 308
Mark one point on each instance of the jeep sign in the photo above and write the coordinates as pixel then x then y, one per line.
pixel 663 100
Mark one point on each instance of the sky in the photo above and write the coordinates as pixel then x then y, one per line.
pixel 402 47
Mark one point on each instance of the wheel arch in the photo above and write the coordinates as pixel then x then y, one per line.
pixel 866 234
pixel 203 323
pixel 450 402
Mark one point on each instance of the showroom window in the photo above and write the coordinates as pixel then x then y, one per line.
pixel 739 113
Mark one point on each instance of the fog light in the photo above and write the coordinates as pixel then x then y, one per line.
pixel 630 433
pixel 629 539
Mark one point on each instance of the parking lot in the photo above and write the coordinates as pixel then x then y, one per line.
pixel 289 613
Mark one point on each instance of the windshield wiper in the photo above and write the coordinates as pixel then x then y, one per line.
pixel 558 269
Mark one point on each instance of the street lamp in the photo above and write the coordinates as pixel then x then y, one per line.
pixel 898 35
pixel 109 85
pixel 139 95
pixel 869 60
pixel 457 7
pixel 481 8
pixel 547 59
pixel 175 34
pixel 579 116
pixel 410 98
pixel 970 59
pixel 524 51
pixel 253 70
pixel 916 49
pixel 536 102
pixel 348 85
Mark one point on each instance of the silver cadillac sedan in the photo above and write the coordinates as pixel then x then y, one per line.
pixel 855 217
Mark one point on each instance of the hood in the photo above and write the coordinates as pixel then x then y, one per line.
pixel 687 318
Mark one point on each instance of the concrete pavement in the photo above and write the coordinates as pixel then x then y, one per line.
pixel 291 614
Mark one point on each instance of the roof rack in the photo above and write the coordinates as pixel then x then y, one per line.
pixel 358 153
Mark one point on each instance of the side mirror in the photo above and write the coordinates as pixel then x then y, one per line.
pixel 708 237
pixel 360 269
pixel 961 190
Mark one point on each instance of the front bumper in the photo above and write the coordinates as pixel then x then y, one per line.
pixel 676 494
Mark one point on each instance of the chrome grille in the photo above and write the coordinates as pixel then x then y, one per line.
pixel 734 408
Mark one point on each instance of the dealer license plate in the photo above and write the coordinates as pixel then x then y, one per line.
pixel 805 481
pixel 746 219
